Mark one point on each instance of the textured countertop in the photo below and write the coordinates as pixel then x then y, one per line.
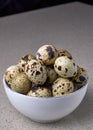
pixel 68 26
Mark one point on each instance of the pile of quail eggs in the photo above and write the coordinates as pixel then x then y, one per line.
pixel 49 73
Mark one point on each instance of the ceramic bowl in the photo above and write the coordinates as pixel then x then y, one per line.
pixel 45 109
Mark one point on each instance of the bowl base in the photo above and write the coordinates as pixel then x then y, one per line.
pixel 46 121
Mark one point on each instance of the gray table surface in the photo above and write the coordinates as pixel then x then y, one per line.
pixel 68 26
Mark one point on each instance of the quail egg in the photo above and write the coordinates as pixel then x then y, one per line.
pixel 21 84
pixel 62 86
pixel 25 59
pixel 11 72
pixel 47 54
pixel 39 91
pixel 81 78
pixel 36 71
pixel 65 67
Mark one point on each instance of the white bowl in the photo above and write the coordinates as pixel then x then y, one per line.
pixel 45 109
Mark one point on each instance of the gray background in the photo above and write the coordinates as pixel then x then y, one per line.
pixel 68 26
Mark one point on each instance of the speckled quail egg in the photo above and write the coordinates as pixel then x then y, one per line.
pixel 11 72
pixel 47 54
pixel 21 84
pixel 81 78
pixel 25 59
pixel 39 91
pixel 36 72
pixel 51 74
pixel 62 86
pixel 65 67
pixel 62 52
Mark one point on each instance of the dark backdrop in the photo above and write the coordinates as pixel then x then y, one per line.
pixel 8 7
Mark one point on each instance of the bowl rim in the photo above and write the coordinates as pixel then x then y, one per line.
pixel 55 97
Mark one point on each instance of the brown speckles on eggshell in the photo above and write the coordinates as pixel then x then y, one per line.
pixel 81 78
pixel 21 83
pixel 62 52
pixel 62 93
pixel 74 64
pixel 34 72
pixel 38 72
pixel 25 58
pixel 50 52
pixel 11 72
pixel 59 68
pixel 62 86
pixel 47 54
pixel 41 69
pixel 74 74
pixel 70 57
pixel 66 70
pixel 39 91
